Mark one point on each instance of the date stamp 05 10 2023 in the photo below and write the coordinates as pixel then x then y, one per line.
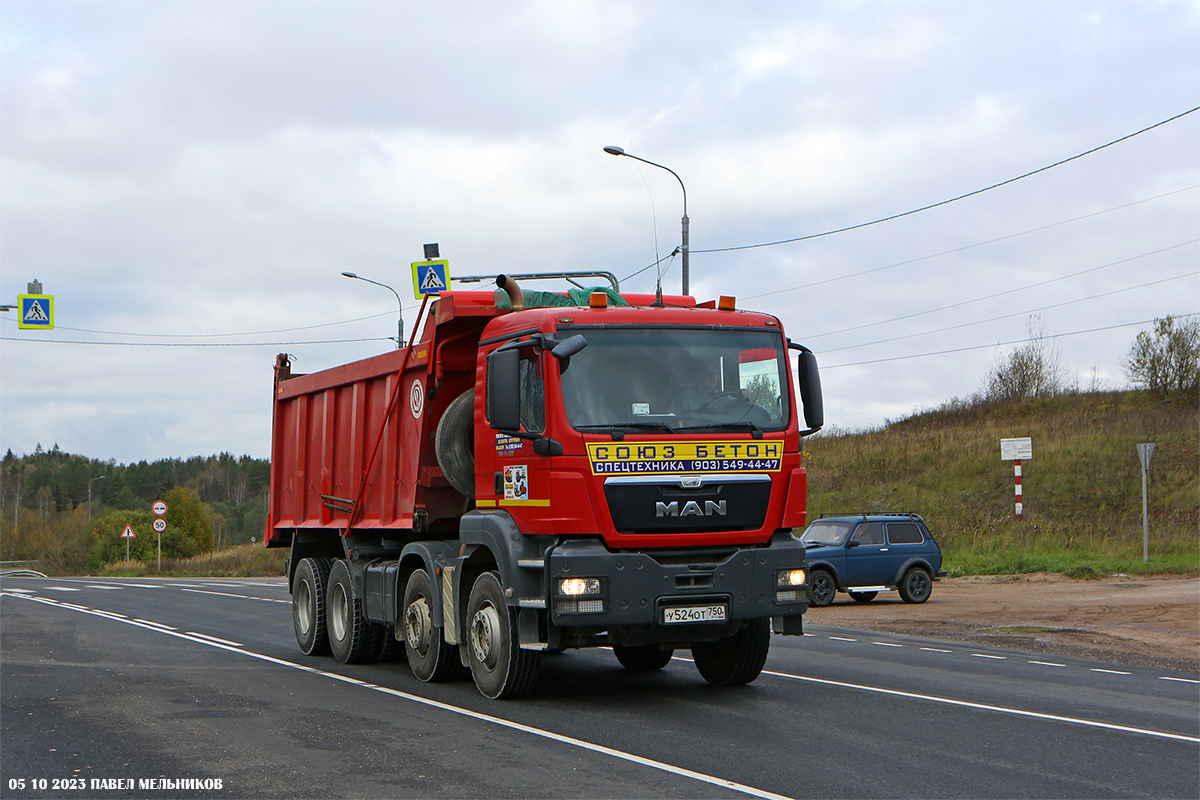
pixel 78 784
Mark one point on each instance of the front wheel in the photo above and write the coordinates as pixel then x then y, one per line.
pixel 737 660
pixel 500 667
pixel 821 588
pixel 643 658
pixel 429 657
pixel 915 586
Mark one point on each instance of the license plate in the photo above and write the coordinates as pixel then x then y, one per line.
pixel 673 616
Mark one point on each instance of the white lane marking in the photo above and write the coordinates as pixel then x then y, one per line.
pixel 516 726
pixel 234 585
pixel 842 639
pixel 239 596
pixel 20 591
pixel 1047 664
pixel 887 644
pixel 1112 671
pixel 1181 680
pixel 63 588
pixel 140 585
pixel 215 639
pixel 987 707
pixel 936 650
pixel 155 624
pixel 99 586
pixel 985 655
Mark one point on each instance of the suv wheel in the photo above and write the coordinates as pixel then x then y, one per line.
pixel 916 586
pixel 821 588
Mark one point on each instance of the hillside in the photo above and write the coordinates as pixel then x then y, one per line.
pixel 1082 488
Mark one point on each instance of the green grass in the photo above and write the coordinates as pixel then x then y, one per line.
pixel 243 561
pixel 1082 488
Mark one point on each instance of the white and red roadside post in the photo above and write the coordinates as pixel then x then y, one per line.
pixel 1016 451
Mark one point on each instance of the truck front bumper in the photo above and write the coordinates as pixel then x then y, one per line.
pixel 676 595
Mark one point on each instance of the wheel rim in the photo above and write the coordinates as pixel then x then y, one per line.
pixel 918 585
pixel 337 616
pixel 304 604
pixel 822 589
pixel 417 626
pixel 485 636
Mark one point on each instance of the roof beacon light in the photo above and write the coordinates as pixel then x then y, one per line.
pixel 727 303
pixel 598 300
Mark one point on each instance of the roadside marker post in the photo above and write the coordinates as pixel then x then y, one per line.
pixel 1145 453
pixel 1016 451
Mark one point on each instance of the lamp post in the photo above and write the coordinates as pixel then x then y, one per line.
pixel 93 480
pixel 400 321
pixel 613 150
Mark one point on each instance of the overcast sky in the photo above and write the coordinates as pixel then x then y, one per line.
pixel 183 174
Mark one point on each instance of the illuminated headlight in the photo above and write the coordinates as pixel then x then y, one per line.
pixel 789 586
pixel 580 596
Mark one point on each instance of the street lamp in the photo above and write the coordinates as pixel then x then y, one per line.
pixel 613 150
pixel 400 321
pixel 93 480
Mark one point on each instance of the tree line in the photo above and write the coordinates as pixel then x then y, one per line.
pixel 67 512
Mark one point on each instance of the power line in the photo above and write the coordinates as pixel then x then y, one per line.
pixel 195 344
pixel 952 199
pixel 969 246
pixel 997 344
pixel 1001 294
pixel 1015 314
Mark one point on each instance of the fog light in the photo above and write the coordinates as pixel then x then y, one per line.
pixel 790 577
pixel 789 595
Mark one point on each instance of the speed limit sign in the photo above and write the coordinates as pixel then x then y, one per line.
pixel 160 525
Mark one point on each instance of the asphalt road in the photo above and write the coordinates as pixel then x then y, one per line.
pixel 195 688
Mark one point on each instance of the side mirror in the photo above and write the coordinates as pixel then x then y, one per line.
pixel 810 388
pixel 569 347
pixel 503 394
pixel 853 543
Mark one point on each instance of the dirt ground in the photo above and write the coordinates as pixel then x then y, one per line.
pixel 1146 621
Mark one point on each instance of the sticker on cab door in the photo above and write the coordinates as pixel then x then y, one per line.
pixel 516 482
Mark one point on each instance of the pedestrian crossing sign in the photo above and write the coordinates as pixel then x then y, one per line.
pixel 37 311
pixel 431 277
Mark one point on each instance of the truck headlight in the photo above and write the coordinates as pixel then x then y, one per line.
pixel 580 596
pixel 790 586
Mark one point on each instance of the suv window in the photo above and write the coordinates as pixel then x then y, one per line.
pixel 869 533
pixel 904 533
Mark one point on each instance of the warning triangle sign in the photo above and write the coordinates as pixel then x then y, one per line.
pixel 432 282
pixel 128 534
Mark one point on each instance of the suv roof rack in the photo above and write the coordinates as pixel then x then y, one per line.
pixel 865 514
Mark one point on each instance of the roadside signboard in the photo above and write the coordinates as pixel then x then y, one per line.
pixel 1016 449
pixel 37 312
pixel 128 533
pixel 159 508
pixel 160 525
pixel 431 277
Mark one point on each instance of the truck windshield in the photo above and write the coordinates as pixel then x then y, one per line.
pixel 677 380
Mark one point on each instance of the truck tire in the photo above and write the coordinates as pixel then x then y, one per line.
pixel 308 605
pixel 915 586
pixel 385 648
pixel 501 669
pixel 429 657
pixel 821 588
pixel 351 637
pixel 737 660
pixel 454 443
pixel 643 658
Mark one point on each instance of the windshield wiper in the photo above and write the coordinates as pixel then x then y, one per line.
pixel 744 424
pixel 613 426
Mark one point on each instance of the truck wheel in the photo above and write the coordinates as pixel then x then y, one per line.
pixel 642 658
pixel 350 635
pixel 915 586
pixel 821 588
pixel 863 597
pixel 386 647
pixel 500 667
pixel 454 443
pixel 429 657
pixel 308 605
pixel 737 660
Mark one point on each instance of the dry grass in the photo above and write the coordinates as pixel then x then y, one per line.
pixel 242 561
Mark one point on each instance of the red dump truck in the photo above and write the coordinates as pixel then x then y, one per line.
pixel 536 472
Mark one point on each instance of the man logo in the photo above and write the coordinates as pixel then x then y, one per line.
pixel 690 509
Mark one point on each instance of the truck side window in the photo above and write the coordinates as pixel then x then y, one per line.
pixel 533 394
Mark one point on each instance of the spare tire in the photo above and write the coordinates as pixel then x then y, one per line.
pixel 454 443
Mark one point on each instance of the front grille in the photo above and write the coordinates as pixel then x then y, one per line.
pixel 662 505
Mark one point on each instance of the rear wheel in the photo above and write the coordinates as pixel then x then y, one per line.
pixel 737 660
pixel 308 605
pixel 643 658
pixel 915 586
pixel 429 657
pixel 821 588
pixel 351 637
pixel 500 667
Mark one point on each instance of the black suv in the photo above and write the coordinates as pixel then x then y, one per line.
pixel 865 554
